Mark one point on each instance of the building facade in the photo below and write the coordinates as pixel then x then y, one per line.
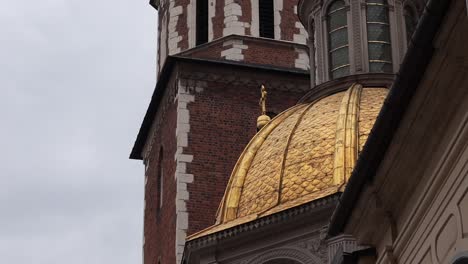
pixel 222 189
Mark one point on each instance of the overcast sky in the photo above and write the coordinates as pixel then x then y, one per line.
pixel 76 77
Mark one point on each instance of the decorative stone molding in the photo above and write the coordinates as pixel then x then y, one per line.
pixel 278 218
pixel 340 244
pixel 300 255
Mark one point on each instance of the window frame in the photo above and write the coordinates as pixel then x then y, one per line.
pixel 329 33
pixel 387 23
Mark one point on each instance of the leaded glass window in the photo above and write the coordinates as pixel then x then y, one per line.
pixel 338 39
pixel 411 22
pixel 378 36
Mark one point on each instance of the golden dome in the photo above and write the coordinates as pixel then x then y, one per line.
pixel 305 153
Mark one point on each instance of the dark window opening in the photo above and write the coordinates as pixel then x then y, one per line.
pixel 202 21
pixel 267 19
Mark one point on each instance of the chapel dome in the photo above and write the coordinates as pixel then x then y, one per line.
pixel 305 153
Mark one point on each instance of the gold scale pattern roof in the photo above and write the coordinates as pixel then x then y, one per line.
pixel 305 153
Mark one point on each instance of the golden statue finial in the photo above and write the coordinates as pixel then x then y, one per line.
pixel 262 102
pixel 263 119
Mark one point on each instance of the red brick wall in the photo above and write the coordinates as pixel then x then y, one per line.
pixel 288 20
pixel 259 51
pixel 218 19
pixel 159 228
pixel 269 53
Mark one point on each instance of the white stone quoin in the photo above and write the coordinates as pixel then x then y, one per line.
pixel 235 52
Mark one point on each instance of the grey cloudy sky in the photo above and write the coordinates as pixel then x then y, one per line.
pixel 76 77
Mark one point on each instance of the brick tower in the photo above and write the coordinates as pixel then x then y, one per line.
pixel 213 56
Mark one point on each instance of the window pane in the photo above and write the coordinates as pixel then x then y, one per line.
pixel 380 67
pixel 378 32
pixel 339 58
pixel 378 36
pixel 337 19
pixel 338 38
pixel 380 51
pixel 336 5
pixel 340 72
pixel 377 13
pixel 384 2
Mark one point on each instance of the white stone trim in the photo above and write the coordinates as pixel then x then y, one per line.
pixel 183 98
pixel 302 60
pixel 192 23
pixel 300 38
pixel 232 25
pixel 211 15
pixel 235 52
pixel 255 23
pixel 278 8
pixel 174 38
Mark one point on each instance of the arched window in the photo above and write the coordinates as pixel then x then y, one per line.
pixel 411 21
pixel 266 18
pixel 202 21
pixel 378 36
pixel 338 44
pixel 160 183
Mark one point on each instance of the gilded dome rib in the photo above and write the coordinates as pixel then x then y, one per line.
pixel 347 133
pixel 286 151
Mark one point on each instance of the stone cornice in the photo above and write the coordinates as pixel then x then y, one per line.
pixel 275 219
